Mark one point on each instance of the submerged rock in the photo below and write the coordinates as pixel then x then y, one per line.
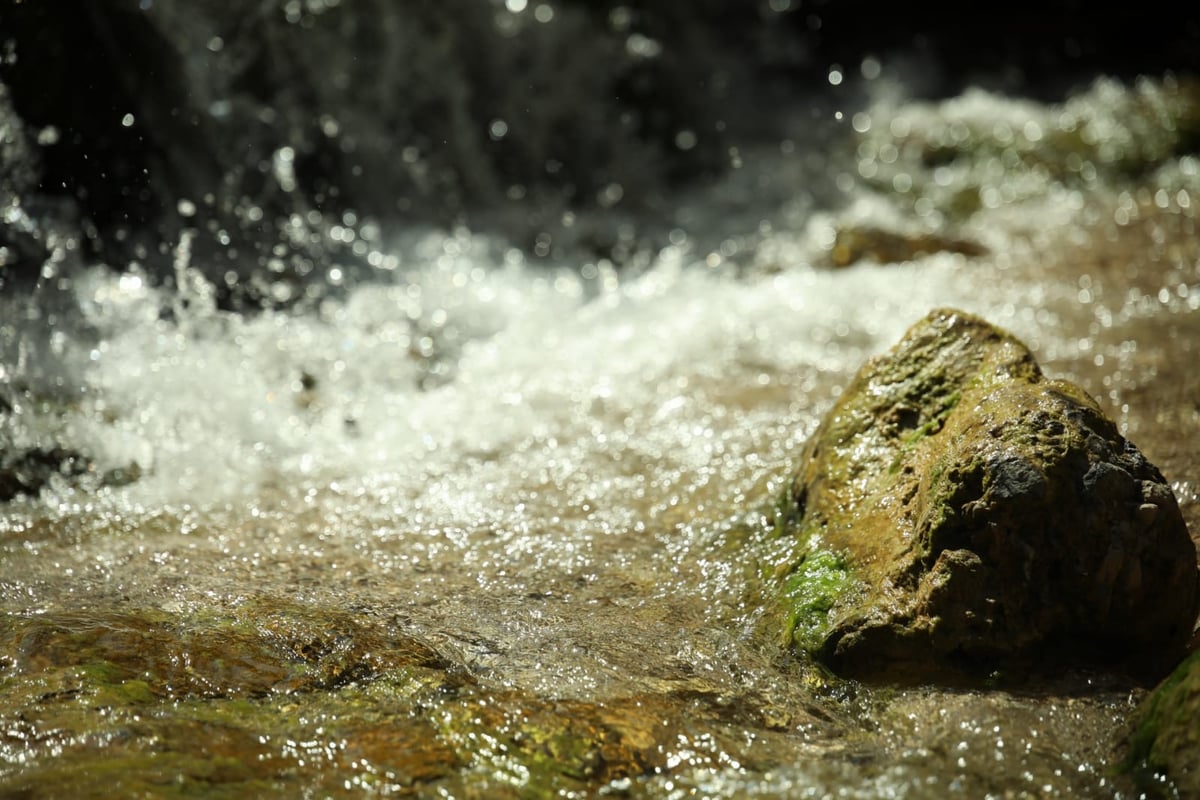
pixel 265 647
pixel 274 697
pixel 982 517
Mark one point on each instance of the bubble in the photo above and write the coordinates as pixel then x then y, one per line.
pixel 610 195
pixel 685 140
pixel 283 168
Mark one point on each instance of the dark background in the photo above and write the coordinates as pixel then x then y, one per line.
pixel 387 106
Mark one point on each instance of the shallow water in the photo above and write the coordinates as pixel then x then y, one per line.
pixel 548 482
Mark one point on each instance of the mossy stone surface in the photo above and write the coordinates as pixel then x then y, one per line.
pixel 1164 736
pixel 275 698
pixel 991 518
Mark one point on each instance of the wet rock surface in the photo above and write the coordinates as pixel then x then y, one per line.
pixel 1163 735
pixel 987 519
pixel 273 697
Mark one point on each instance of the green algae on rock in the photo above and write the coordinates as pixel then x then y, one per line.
pixel 277 699
pixel 988 518
pixel 1163 735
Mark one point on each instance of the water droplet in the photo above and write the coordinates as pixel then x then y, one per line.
pixel 642 46
pixel 47 136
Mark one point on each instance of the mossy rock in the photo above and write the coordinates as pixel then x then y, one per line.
pixel 1164 737
pixel 988 518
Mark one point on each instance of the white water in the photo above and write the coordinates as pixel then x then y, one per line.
pixel 463 353
pixel 682 369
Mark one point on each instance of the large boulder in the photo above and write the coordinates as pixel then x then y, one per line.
pixel 981 518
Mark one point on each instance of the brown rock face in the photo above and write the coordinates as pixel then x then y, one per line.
pixel 991 519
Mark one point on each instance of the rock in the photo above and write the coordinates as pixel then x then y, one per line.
pixel 27 472
pixel 1163 737
pixel 868 243
pixel 985 519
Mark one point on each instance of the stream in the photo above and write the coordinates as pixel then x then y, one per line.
pixel 474 519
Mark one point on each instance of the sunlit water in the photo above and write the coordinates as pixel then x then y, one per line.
pixel 534 466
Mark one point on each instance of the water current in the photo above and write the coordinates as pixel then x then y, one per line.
pixel 553 479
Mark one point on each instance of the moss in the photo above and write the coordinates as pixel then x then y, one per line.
pixel 912 439
pixel 135 702
pixel 90 740
pixel 1163 734
pixel 809 593
pixel 541 748
pixel 127 704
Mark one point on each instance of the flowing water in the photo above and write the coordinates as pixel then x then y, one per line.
pixel 467 525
